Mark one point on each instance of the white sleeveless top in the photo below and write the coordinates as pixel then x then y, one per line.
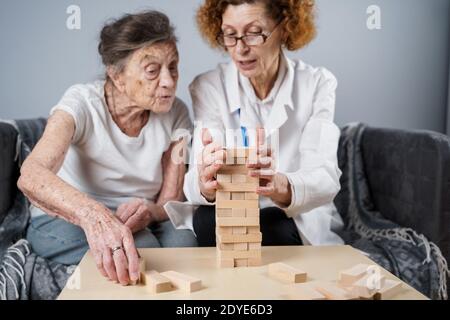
pixel 105 163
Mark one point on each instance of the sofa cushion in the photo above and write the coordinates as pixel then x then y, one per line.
pixel 8 167
pixel 409 180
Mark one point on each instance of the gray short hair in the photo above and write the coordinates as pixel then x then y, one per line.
pixel 120 38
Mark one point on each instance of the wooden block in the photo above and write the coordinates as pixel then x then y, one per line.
pixel 223 177
pixel 239 230
pixel 222 195
pixel 252 212
pixel 241 152
pixel 230 204
pixel 350 276
pixel 253 230
pixel 286 273
pixel 254 180
pixel 141 271
pixel 237 196
pixel 333 292
pixel 243 246
pixel 224 230
pixel 224 213
pixel 238 213
pixel 237 187
pixel 237 238
pixel 237 222
pixel 367 286
pixel 389 290
pixel 304 291
pixel 238 178
pixel 155 282
pixel 241 263
pixel 239 254
pixel 240 160
pixel 234 169
pixel 255 262
pixel 251 196
pixel 225 246
pixel 225 263
pixel 182 281
pixel 254 246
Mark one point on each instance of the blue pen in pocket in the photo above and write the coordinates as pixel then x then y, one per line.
pixel 243 132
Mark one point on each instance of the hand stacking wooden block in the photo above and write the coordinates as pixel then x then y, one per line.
pixel 238 233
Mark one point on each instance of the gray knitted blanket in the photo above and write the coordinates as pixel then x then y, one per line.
pixel 403 252
pixel 23 274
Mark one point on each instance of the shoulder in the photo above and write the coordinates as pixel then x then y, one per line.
pixel 313 76
pixel 212 79
pixel 88 91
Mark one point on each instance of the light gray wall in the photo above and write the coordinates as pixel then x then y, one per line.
pixel 394 77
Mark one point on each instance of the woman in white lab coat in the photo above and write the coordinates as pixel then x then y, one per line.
pixel 294 103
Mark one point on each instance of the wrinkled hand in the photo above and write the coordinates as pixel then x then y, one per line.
pixel 272 184
pixel 105 233
pixel 135 214
pixel 210 161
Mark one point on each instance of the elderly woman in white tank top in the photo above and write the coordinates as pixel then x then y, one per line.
pixel 103 170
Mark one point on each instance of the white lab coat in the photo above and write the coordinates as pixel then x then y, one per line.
pixel 302 116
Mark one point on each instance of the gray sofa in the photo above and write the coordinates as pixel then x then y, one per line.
pixel 406 176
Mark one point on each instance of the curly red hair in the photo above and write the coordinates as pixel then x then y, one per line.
pixel 298 14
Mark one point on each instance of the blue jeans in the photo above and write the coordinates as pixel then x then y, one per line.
pixel 65 243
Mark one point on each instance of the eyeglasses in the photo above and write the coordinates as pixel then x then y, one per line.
pixel 250 40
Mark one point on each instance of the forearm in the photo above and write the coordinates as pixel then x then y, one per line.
pixel 57 198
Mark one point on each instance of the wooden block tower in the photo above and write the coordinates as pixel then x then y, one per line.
pixel 238 234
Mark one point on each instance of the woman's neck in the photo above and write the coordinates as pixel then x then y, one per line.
pixel 264 83
pixel 128 117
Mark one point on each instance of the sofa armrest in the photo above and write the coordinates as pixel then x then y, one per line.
pixel 408 174
pixel 8 167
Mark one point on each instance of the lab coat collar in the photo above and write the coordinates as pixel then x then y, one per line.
pixel 282 99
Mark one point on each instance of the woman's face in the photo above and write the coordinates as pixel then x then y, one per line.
pixel 250 19
pixel 150 77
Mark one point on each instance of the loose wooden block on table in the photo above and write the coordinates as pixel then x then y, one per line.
pixel 286 273
pixel 333 292
pixel 389 290
pixel 141 269
pixel 350 276
pixel 304 291
pixel 368 286
pixel 155 282
pixel 183 281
